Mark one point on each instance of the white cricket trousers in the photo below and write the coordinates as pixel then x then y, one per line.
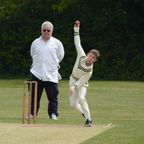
pixel 79 102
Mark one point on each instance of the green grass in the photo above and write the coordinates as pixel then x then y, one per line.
pixel 121 103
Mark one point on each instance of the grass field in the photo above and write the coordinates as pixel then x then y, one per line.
pixel 119 103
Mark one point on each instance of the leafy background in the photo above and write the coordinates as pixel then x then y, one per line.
pixel 114 27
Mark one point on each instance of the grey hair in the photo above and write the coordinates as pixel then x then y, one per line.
pixel 48 24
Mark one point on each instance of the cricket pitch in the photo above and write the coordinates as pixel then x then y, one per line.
pixel 48 134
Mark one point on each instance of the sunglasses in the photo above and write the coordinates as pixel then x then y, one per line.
pixel 46 30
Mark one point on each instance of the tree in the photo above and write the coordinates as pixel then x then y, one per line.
pixel 115 28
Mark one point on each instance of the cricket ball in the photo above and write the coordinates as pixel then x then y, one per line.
pixel 77 22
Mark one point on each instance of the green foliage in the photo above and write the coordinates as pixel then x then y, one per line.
pixel 115 28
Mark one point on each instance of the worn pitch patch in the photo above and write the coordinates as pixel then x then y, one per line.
pixel 48 134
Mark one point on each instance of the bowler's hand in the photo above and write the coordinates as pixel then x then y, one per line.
pixel 72 91
pixel 76 26
pixel 77 23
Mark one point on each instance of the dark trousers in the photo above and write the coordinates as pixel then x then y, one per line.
pixel 52 96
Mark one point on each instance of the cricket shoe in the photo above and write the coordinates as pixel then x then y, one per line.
pixel 54 117
pixel 88 123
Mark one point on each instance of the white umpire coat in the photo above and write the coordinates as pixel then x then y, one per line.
pixel 46 58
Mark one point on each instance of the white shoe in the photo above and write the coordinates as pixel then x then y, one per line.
pixel 54 117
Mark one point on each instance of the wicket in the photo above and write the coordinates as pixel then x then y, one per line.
pixel 30 85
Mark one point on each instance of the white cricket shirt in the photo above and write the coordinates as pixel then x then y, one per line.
pixel 46 57
pixel 81 72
